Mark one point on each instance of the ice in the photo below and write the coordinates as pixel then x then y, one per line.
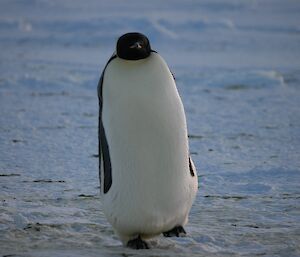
pixel 236 65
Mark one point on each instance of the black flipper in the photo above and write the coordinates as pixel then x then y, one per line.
pixel 192 167
pixel 103 146
pixel 175 232
pixel 137 243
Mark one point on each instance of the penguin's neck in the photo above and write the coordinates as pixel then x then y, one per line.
pixel 146 79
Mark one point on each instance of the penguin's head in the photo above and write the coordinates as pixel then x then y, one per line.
pixel 133 46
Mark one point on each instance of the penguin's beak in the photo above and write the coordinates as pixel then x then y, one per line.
pixel 137 45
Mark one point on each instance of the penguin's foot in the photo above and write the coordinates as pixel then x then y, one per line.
pixel 137 243
pixel 177 231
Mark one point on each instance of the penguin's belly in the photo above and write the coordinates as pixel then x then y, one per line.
pixel 145 126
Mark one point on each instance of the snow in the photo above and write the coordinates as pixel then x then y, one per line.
pixel 236 65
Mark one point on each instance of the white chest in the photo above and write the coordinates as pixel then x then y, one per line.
pixel 143 115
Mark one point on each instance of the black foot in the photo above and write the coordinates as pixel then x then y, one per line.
pixel 177 231
pixel 137 243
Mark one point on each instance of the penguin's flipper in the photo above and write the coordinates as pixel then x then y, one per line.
pixel 103 149
pixel 100 83
pixel 137 243
pixel 175 232
pixel 192 167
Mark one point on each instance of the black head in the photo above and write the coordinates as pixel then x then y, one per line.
pixel 133 46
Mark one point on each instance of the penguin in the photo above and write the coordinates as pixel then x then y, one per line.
pixel 148 181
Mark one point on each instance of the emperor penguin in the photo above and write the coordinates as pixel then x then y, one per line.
pixel 148 181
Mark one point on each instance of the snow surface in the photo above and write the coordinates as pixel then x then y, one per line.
pixel 237 67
